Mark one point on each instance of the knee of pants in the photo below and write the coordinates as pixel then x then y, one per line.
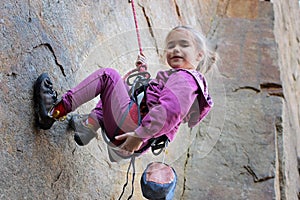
pixel 114 74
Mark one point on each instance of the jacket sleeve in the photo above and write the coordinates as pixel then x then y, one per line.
pixel 176 98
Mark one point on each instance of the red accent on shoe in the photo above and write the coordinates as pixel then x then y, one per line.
pixel 58 111
pixel 94 123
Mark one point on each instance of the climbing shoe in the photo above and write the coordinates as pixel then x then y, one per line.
pixel 44 99
pixel 84 132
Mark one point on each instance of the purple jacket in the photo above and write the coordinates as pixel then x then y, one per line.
pixel 173 97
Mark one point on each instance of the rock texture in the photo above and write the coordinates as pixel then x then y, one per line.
pixel 242 163
pixel 245 149
pixel 287 34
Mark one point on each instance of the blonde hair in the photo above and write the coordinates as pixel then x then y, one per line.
pixel 210 57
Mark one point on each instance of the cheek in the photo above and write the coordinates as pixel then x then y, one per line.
pixel 168 51
pixel 167 54
pixel 167 58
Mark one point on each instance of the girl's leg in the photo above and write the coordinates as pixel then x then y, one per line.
pixel 97 114
pixel 114 102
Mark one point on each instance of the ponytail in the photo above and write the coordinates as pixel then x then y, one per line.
pixel 210 59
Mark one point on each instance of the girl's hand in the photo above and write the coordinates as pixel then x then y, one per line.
pixel 132 143
pixel 141 61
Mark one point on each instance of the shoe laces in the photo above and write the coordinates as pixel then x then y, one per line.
pixel 51 91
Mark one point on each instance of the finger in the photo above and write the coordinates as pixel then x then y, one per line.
pixel 121 137
pixel 125 149
pixel 124 152
pixel 141 59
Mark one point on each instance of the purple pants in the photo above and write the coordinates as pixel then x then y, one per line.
pixel 114 98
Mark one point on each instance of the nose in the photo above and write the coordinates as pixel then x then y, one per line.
pixel 176 49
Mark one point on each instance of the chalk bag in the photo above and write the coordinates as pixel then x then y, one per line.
pixel 158 181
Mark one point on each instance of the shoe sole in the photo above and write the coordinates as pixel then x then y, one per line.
pixel 39 108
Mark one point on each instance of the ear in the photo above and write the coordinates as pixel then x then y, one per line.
pixel 199 56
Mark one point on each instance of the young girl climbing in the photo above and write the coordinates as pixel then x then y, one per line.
pixel 175 96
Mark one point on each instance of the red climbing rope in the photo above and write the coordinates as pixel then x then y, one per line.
pixel 136 26
pixel 141 66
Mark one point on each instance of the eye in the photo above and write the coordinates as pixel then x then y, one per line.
pixel 184 43
pixel 170 45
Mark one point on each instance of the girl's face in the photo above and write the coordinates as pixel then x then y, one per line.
pixel 181 50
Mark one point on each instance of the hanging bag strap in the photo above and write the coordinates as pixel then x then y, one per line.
pixel 132 163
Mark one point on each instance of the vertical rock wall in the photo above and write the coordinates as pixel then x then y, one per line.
pixel 242 163
pixel 234 154
pixel 287 32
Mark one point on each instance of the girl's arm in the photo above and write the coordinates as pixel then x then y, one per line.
pixel 176 98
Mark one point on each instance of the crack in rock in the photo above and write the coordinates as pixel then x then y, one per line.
pixel 149 24
pixel 177 10
pixel 49 47
pixel 273 89
pixel 57 178
pixel 185 170
pixel 256 179
pixel 247 88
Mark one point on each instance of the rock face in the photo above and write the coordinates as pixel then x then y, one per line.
pixel 244 149
pixel 242 163
pixel 287 34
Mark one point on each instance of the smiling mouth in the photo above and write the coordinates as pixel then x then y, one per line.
pixel 176 57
